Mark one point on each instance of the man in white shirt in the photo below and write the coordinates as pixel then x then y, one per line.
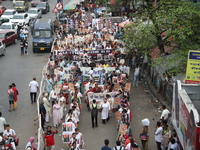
pixel 165 114
pixel 2 124
pixel 136 75
pixel 9 134
pixel 158 135
pixel 34 87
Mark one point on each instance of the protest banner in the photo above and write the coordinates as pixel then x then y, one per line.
pixel 128 87
pixel 122 129
pixel 116 101
pixel 71 86
pixel 117 115
pixel 117 87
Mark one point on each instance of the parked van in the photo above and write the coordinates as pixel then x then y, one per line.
pixel 42 36
pixel 21 6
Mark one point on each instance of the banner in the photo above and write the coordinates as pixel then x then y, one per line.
pixel 100 96
pixel 193 68
pixel 117 115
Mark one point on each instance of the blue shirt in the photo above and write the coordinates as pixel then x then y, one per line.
pixel 105 148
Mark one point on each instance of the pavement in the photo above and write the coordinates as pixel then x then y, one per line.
pixel 21 70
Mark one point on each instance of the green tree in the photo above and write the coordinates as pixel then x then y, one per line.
pixel 179 20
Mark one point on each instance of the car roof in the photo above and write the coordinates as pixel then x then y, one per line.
pixel 8 23
pixel 20 14
pixel 10 10
pixel 33 9
pixel 5 31
pixel 43 2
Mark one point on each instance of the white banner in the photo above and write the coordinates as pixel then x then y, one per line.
pixel 100 96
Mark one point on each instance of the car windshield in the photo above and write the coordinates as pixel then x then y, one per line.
pixel 2 35
pixel 17 17
pixel 32 11
pixel 19 3
pixel 8 13
pixel 42 33
pixel 5 26
pixel 41 4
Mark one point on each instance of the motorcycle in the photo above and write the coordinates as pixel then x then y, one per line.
pixel 7 143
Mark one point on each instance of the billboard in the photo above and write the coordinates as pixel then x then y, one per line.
pixel 193 68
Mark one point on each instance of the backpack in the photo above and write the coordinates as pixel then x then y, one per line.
pixel 117 149
pixel 94 110
pixel 11 95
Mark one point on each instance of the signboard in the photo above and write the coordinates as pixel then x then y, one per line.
pixel 193 68
pixel 117 115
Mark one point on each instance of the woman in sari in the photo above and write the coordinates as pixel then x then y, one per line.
pixel 56 114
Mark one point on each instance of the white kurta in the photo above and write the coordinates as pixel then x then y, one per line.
pixel 105 110
pixel 47 106
pixel 61 103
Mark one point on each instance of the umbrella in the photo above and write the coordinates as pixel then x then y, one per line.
pixel 145 122
pixel 124 23
pixel 69 7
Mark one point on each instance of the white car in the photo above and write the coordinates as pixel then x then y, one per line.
pixel 2 49
pixel 34 13
pixel 20 19
pixel 8 27
pixel 9 13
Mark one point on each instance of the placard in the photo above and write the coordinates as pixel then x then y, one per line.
pixel 117 115
pixel 71 86
pixel 117 87
pixel 56 71
pixel 57 90
pixel 116 101
pixel 66 137
pixel 128 87
pixel 59 86
pixel 122 129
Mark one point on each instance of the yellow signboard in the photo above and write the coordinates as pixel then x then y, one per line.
pixel 193 67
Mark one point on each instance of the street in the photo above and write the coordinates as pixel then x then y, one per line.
pixel 21 69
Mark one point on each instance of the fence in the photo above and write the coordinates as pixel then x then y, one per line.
pixel 40 130
pixel 155 73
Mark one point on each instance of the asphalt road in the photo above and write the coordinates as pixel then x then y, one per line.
pixel 21 70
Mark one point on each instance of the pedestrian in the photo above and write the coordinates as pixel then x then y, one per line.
pixel 118 146
pixel 158 135
pixel 61 102
pixel 26 45
pixel 80 138
pixel 49 138
pixel 165 114
pixel 56 114
pixel 49 84
pixel 34 87
pixel 75 114
pixel 145 133
pixel 2 124
pixel 31 144
pixel 173 145
pixel 105 106
pixel 14 88
pixel 166 137
pixel 136 75
pixel 9 134
pixel 94 113
pixel 43 114
pixel 10 97
pixel 47 106
pixel 22 47
pixel 106 142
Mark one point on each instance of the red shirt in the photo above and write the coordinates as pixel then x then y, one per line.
pixel 96 90
pixel 50 138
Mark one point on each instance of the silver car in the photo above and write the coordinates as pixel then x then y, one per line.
pixel 35 13
pixel 2 49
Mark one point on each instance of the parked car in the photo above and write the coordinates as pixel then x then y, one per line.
pixel 2 49
pixel 34 13
pixel 20 19
pixel 44 7
pixel 8 37
pixel 8 27
pixel 9 13
pixel 34 3
pixel 2 9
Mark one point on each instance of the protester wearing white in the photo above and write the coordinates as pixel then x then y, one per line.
pixel 105 106
pixel 61 102
pixel 34 87
pixel 47 106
